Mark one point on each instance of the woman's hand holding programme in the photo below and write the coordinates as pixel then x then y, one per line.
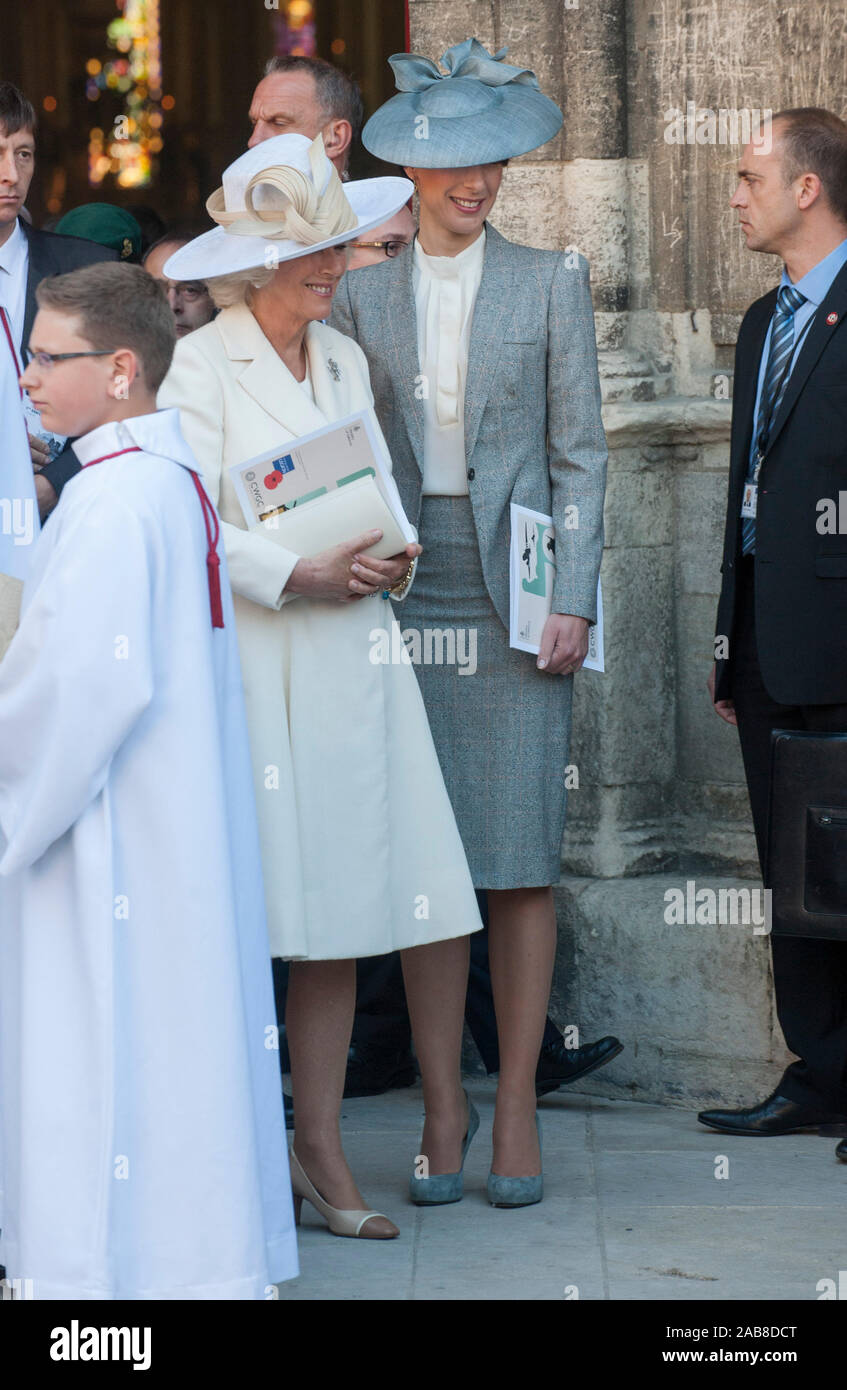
pixel 346 573
pixel 372 574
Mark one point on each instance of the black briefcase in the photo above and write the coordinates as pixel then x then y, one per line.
pixel 806 869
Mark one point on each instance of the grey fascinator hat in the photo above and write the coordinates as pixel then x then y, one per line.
pixel 477 112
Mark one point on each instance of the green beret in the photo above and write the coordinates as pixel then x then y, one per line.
pixel 106 224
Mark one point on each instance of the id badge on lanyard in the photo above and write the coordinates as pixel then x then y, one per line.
pixel 750 494
pixel 748 499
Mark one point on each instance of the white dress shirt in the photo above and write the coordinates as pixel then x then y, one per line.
pixel 445 290
pixel 815 285
pixel 14 267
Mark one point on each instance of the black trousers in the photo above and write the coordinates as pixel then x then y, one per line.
pixel 810 977
pixel 382 1019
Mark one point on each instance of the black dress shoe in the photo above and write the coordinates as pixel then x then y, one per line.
pixel 776 1115
pixel 841 1151
pixel 559 1064
pixel 373 1070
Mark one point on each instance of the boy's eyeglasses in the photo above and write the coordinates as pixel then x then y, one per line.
pixel 46 359
pixel 391 248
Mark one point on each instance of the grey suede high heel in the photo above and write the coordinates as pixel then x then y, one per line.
pixel 516 1192
pixel 443 1188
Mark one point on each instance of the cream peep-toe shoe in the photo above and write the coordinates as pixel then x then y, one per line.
pixel 341 1223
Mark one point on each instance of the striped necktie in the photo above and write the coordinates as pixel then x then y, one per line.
pixel 788 302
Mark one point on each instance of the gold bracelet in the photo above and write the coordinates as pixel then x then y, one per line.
pixel 403 583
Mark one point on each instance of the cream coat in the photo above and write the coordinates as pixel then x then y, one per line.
pixel 360 849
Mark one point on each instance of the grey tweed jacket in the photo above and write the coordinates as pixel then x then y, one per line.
pixel 533 432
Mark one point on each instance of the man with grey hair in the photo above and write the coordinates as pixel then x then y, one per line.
pixel 307 96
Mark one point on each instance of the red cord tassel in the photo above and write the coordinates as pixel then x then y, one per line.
pixel 213 559
pixel 213 565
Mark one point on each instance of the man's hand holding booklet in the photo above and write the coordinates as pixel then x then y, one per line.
pixel 324 488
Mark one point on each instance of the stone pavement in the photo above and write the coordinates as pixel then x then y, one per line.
pixel 632 1210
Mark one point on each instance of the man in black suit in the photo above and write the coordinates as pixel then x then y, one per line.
pixel 781 643
pixel 27 256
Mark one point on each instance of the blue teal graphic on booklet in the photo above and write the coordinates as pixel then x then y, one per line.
pixel 532 571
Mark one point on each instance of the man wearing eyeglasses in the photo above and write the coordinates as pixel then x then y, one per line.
pixel 385 242
pixel 190 301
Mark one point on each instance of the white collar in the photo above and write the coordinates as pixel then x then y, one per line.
pixel 14 249
pixel 451 267
pixel 158 433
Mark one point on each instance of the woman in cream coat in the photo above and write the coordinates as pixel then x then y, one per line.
pixel 360 849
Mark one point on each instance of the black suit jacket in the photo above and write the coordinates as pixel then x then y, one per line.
pixel 800 572
pixel 53 254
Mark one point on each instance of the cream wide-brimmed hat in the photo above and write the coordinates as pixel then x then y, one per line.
pixel 280 200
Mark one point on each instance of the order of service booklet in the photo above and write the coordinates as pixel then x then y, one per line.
pixel 326 487
pixel 532 567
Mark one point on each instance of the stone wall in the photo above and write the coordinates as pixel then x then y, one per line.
pixel 661 799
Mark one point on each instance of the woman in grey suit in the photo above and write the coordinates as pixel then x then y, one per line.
pixel 483 365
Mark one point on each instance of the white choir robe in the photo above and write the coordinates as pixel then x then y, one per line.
pixel 142 1138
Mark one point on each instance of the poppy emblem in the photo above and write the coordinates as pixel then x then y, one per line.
pixel 279 468
pixel 831 319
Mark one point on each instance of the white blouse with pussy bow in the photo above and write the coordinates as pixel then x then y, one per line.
pixel 445 290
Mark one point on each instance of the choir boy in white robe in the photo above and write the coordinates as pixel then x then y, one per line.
pixel 142 1139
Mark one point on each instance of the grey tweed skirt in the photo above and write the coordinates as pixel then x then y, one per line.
pixel 501 727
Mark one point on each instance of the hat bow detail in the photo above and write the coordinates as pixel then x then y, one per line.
pixel 296 207
pixel 414 73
